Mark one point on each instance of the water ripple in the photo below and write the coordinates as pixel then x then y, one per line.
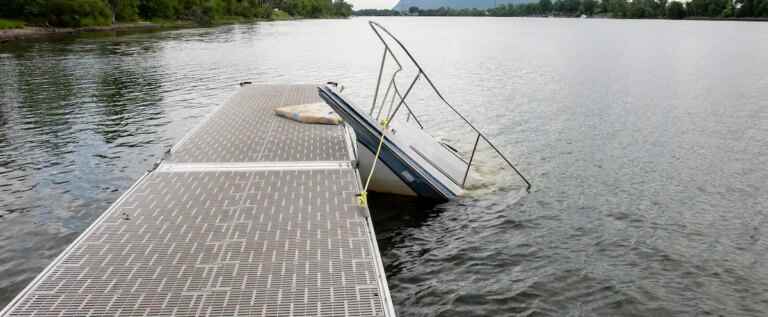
pixel 647 155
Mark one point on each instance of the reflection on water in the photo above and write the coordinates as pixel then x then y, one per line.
pixel 645 140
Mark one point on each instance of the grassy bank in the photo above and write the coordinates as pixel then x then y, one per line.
pixel 13 30
pixel 11 24
pixel 35 18
pixel 33 32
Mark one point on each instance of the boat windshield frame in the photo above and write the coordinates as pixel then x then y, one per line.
pixel 400 98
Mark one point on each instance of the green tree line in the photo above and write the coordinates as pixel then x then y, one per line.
pixel 609 8
pixel 81 13
pixel 638 8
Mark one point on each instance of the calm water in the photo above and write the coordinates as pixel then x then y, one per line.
pixel 647 142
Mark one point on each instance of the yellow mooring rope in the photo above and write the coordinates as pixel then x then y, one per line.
pixel 362 199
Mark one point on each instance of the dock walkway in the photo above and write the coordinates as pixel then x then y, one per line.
pixel 249 215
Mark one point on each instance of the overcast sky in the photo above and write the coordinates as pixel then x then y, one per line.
pixel 372 4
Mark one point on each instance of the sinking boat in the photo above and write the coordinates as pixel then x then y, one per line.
pixel 410 161
pixel 400 156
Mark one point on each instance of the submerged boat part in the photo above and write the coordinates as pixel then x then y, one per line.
pixel 403 166
pixel 406 159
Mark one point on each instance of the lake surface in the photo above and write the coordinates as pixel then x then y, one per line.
pixel 646 142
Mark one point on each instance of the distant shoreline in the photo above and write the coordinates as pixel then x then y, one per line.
pixel 38 32
pixel 35 32
pixel 757 19
pixel 745 19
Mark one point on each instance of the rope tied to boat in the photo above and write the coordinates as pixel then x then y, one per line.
pixel 362 199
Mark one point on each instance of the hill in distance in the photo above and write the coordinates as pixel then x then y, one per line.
pixel 403 5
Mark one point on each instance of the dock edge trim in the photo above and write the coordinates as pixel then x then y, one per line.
pixel 381 278
pixel 167 167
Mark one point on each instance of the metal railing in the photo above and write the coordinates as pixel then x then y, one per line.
pixel 393 95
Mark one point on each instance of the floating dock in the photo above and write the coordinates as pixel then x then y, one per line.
pixel 249 215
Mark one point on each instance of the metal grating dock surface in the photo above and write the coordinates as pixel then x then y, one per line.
pixel 218 240
pixel 245 129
